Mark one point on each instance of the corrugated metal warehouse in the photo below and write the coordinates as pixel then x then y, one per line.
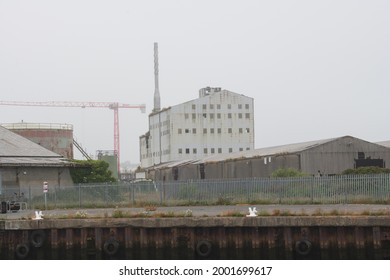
pixel 328 157
pixel 25 165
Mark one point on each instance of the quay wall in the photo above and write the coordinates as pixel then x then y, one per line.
pixel 338 237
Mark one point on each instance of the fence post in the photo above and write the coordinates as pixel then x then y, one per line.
pixel 280 191
pixel 133 195
pixel 79 195
pixel 29 197
pixel 247 192
pixel 345 187
pixel 106 194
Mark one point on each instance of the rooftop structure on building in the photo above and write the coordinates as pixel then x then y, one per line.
pixel 55 137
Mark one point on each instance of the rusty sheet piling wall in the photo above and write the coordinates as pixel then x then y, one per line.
pixel 198 238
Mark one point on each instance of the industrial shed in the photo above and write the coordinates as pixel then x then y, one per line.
pixel 25 165
pixel 327 157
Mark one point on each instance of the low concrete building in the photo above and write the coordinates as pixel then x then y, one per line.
pixel 325 157
pixel 25 165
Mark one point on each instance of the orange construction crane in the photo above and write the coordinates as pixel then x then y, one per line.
pixel 111 105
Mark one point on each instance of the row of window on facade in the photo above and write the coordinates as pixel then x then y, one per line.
pixel 207 150
pixel 193 151
pixel 211 130
pixel 212 116
pixel 218 106
pixel 156 154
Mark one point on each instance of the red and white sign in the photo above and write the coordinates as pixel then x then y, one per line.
pixel 45 187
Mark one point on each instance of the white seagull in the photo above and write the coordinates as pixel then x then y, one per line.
pixel 38 215
pixel 252 212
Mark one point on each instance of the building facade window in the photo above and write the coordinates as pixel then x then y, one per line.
pixel 211 130
pixel 204 130
pixel 180 151
pixel 187 150
pixel 247 115
pixel 229 115
pixel 194 151
pixel 239 115
pixel 193 106
pixel 205 150
pixel 204 106
pixel 219 130
pixel 230 150
pixel 194 130
pixel 229 130
pixel 246 106
pixel 179 131
pixel 212 150
pixel 219 150
pixel 219 106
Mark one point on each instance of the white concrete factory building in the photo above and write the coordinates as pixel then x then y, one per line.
pixel 218 122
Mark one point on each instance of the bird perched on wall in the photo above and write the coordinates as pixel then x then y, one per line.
pixel 252 212
pixel 38 215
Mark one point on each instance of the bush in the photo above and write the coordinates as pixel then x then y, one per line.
pixel 366 170
pixel 287 172
pixel 91 171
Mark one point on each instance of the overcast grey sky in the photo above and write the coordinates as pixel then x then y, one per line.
pixel 316 69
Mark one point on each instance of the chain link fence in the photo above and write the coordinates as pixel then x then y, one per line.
pixel 302 190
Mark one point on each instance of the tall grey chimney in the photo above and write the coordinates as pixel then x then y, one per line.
pixel 157 105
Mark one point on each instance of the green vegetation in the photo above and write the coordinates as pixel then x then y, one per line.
pixel 287 173
pixel 117 213
pixel 91 171
pixel 366 170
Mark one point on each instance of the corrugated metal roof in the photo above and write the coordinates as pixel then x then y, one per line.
pixel 33 161
pixel 14 145
pixel 270 151
pixel 262 152
pixel 384 143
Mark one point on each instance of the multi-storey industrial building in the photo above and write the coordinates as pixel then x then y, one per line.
pixel 218 122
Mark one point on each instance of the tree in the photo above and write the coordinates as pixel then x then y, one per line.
pixel 91 171
pixel 287 172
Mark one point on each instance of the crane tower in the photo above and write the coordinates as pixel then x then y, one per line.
pixel 111 105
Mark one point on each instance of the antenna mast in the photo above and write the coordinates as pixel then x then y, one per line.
pixel 157 105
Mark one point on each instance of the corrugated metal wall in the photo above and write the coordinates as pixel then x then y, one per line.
pixel 339 155
pixel 23 179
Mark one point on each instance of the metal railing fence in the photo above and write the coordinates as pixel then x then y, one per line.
pixel 302 190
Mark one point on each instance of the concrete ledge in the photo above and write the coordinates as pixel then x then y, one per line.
pixel 363 221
